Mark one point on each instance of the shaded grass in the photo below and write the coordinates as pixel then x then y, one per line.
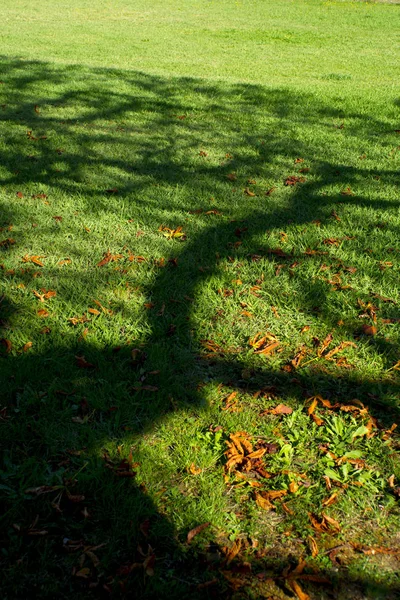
pixel 169 147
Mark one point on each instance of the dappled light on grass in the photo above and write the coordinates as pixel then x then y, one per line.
pixel 198 336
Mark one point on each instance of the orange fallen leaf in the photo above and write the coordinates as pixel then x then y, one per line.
pixel 83 363
pixel 293 180
pixel 313 546
pixel 7 243
pixel 194 470
pixel 27 346
pixel 264 503
pixel 94 311
pixel 331 500
pixel 248 192
pixel 43 313
pixel 33 259
pixel 196 530
pixel 281 409
pixel 369 329
pixel 6 344
pixel 347 192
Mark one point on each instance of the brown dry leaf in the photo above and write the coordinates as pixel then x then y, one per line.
pixel 7 243
pixel 331 521
pixel 85 572
pixel 194 470
pixel 298 590
pixel 268 348
pixel 369 329
pixel 33 259
pixel 331 500
pixel 347 192
pixel 213 212
pixel 6 344
pixel 317 420
pixel 300 356
pixel 108 257
pixel 83 363
pixel 248 192
pixel 203 153
pixel 42 313
pixel 293 180
pixel 312 406
pixel 65 261
pixel 313 546
pixel 233 551
pixel 275 311
pixel 94 311
pixel 281 409
pixel 325 344
pixel 196 530
pixel 298 160
pixel 57 218
pixel 270 191
pixel 232 176
pixel 264 503
pixel 20 195
pixel 27 346
pixel 172 233
pixel 342 346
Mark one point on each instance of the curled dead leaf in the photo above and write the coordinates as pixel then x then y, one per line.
pixel 196 530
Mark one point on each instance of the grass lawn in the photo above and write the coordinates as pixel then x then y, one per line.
pixel 199 300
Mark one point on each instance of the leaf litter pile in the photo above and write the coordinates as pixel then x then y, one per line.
pixel 201 379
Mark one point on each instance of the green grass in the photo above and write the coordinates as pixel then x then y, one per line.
pixel 164 116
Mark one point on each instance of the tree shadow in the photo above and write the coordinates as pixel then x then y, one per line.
pixel 110 391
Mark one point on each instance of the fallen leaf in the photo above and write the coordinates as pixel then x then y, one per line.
pixel 7 243
pixel 43 313
pixel 248 192
pixel 108 257
pixel 33 259
pixel 347 192
pixel 172 233
pixel 83 363
pixel 369 329
pixel 281 409
pixel 27 346
pixel 65 261
pixel 196 530
pixel 6 344
pixel 325 344
pixel 20 195
pixel 298 590
pixel 194 470
pixel 293 180
pixel 264 503
pixel 313 546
